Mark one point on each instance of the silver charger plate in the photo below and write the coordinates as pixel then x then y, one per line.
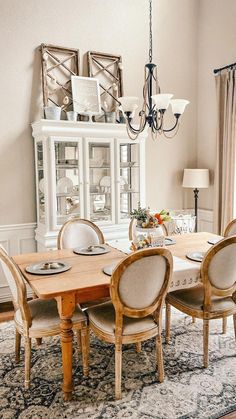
pixel 91 250
pixel 169 241
pixel 48 267
pixel 213 241
pixel 109 269
pixel 196 256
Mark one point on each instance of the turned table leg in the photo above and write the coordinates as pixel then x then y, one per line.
pixel 66 306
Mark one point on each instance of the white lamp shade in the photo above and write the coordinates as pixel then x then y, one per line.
pixel 178 106
pixel 162 100
pixel 196 178
pixel 128 103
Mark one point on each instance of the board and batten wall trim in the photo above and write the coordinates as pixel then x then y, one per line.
pixel 16 239
pixel 205 220
pixel 20 238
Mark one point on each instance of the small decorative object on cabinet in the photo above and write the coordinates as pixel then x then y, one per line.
pixel 58 65
pixel 107 68
pixel 93 171
pixel 86 95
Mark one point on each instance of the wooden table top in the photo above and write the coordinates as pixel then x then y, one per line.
pixel 86 273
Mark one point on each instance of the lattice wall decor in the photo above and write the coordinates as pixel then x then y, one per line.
pixel 107 68
pixel 58 65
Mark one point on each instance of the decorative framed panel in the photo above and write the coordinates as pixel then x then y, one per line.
pixel 58 65
pixel 108 69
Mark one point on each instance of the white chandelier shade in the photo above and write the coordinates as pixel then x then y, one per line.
pixel 178 106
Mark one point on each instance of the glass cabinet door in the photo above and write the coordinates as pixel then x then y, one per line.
pixel 41 184
pixel 100 163
pixel 129 178
pixel 67 166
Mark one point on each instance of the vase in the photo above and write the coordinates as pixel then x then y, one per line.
pixel 53 112
pixel 154 235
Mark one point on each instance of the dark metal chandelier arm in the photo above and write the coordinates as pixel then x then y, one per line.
pixel 174 132
pixel 141 126
pixel 158 116
pixel 174 126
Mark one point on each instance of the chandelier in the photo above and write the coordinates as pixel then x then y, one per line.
pixel 155 103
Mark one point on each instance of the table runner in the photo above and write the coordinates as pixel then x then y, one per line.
pixel 185 274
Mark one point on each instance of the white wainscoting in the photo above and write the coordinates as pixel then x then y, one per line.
pixel 20 238
pixel 205 220
pixel 16 239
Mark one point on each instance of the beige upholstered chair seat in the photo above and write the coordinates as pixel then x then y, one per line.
pixel 45 316
pixel 193 298
pixel 103 317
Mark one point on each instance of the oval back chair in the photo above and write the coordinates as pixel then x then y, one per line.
pixel 78 232
pixel 36 318
pixel 138 288
pixel 216 297
pixel 230 229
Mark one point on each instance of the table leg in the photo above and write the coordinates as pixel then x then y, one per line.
pixel 66 306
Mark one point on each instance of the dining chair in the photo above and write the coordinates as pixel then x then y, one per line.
pixel 132 229
pixel 37 318
pixel 138 288
pixel 213 299
pixel 230 229
pixel 78 232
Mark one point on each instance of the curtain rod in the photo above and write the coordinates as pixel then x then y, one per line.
pixel 224 68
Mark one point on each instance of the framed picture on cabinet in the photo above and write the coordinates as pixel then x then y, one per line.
pixel 86 95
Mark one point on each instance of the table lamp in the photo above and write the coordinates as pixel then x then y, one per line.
pixel 196 179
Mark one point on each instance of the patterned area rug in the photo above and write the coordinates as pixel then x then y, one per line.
pixel 189 391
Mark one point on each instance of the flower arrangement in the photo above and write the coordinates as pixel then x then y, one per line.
pixel 147 220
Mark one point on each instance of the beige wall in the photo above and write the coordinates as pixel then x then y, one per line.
pixel 216 48
pixel 118 26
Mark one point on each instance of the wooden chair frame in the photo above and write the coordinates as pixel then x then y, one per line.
pixel 206 314
pixel 22 304
pixel 122 310
pixel 228 227
pixel 79 221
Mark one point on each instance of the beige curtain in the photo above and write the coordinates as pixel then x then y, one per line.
pixel 226 147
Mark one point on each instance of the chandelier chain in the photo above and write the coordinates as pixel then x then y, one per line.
pixel 150 31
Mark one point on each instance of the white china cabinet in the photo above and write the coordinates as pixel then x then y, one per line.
pixel 90 170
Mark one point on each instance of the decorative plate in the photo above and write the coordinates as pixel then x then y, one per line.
pixel 41 185
pixel 91 250
pixel 108 270
pixel 105 181
pixel 196 256
pixel 169 241
pixel 64 185
pixel 213 241
pixel 48 267
pixel 123 181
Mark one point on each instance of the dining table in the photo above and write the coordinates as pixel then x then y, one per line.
pixel 86 281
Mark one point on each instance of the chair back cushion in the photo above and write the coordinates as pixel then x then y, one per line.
pixel 222 267
pixel 142 281
pixel 78 234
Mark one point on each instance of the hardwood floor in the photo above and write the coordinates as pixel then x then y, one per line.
pixel 6 312
pixel 229 416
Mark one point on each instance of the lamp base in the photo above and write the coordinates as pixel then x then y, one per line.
pixel 196 191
